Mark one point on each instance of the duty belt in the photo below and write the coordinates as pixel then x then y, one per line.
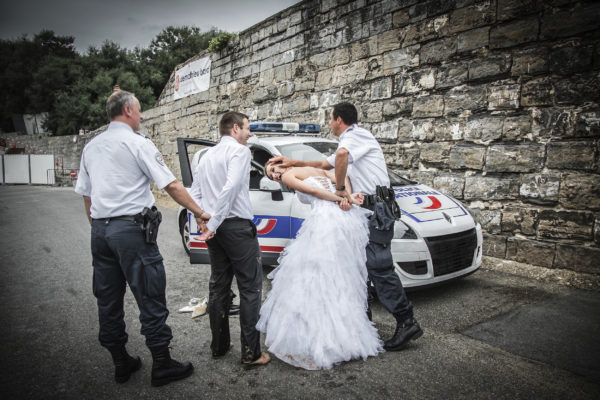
pixel 133 218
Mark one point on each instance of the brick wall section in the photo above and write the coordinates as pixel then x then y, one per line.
pixel 495 102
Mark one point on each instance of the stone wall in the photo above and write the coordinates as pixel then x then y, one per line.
pixel 495 102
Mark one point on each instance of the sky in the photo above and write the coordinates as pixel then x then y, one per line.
pixel 129 23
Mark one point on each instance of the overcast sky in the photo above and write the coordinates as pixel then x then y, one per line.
pixel 129 23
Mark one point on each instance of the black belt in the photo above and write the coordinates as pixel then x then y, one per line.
pixel 133 218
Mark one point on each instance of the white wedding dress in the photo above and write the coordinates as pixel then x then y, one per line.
pixel 315 314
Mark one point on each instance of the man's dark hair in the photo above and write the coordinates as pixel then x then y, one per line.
pixel 117 101
pixel 347 112
pixel 229 119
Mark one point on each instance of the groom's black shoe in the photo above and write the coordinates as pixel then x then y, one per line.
pixel 405 332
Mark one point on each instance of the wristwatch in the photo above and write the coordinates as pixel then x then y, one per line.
pixel 340 188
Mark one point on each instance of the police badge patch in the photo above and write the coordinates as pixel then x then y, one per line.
pixel 159 158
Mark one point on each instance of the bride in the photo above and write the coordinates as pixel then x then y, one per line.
pixel 315 314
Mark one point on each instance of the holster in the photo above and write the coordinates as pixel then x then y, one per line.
pixel 387 195
pixel 152 219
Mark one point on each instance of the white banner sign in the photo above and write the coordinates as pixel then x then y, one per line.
pixel 192 78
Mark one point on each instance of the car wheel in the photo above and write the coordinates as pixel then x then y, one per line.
pixel 184 230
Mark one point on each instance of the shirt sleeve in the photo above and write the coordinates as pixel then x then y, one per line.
pixel 238 169
pixel 152 163
pixel 196 189
pixel 83 185
pixel 355 149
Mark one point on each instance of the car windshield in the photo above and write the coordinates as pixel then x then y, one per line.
pixel 308 151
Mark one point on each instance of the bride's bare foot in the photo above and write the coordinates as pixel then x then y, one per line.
pixel 262 360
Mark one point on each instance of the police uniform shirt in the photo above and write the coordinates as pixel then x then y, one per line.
pixel 116 169
pixel 222 182
pixel 366 164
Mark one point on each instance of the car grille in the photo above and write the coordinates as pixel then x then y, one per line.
pixel 450 253
pixel 414 267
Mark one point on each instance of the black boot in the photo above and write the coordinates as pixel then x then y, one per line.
pixel 406 331
pixel 165 369
pixel 125 365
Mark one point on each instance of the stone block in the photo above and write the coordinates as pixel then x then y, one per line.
pixel 517 128
pixel 452 74
pixel 494 245
pixel 519 219
pixel 397 106
pixel 509 9
pixel 571 225
pixel 490 220
pixel 374 68
pixel 285 89
pixel 571 155
pixel 570 58
pixel 405 130
pixel 484 128
pixel 296 105
pixel 364 48
pixel 580 191
pixel 530 251
pixel 473 39
pixel 567 23
pixel 452 185
pixel 578 89
pixel 537 92
pixel 394 61
pixel 515 157
pixel 490 67
pixel 488 188
pixel 379 24
pixel 448 129
pixel 503 97
pixel 422 130
pixel 407 157
pixel 339 56
pixel 461 98
pixel 381 89
pixel 467 157
pixel 400 18
pixel 263 94
pixel 587 123
pixel 530 62
pixel 423 31
pixel 350 73
pixel 387 41
pixel 540 188
pixel 553 122
pixel 438 51
pixel 514 33
pixel 597 231
pixel 436 153
pixel 475 16
pixel 578 258
pixel 385 131
pixel 428 106
pixel 324 79
pixel 414 82
pixel 370 112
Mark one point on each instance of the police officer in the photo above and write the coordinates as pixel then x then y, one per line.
pixel 114 180
pixel 359 149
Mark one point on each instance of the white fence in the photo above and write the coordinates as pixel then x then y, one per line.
pixel 28 168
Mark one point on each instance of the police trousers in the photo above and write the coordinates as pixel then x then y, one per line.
pixel 380 268
pixel 120 255
pixel 234 251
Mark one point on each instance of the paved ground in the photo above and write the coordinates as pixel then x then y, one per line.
pixel 490 335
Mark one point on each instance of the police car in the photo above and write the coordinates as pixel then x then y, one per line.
pixel 436 240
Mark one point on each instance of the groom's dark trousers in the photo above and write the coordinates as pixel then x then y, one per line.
pixel 234 251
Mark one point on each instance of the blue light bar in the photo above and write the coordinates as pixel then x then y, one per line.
pixel 284 127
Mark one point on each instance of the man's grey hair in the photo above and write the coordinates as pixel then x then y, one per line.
pixel 117 101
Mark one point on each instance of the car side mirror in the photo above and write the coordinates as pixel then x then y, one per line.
pixel 267 185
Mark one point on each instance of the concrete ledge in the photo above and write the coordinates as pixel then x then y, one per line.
pixel 565 277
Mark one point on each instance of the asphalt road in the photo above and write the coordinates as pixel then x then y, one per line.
pixel 490 335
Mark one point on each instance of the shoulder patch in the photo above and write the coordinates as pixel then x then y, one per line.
pixel 159 158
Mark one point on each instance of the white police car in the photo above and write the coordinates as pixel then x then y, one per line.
pixel 436 240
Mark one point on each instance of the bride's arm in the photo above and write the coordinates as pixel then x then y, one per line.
pixel 293 182
pixel 357 198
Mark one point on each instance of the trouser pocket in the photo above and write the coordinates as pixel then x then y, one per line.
pixel 155 279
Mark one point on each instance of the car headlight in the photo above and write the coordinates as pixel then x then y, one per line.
pixel 403 231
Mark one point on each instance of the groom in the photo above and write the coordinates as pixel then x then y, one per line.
pixel 359 148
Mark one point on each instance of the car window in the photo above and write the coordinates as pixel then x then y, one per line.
pixel 397 180
pixel 309 151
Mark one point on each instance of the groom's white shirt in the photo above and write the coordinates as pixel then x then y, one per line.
pixel 366 163
pixel 222 182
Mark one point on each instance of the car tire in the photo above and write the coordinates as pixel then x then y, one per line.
pixel 184 230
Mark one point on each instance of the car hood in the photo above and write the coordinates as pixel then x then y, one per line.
pixel 427 209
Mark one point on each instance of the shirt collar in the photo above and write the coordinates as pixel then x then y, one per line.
pixel 119 125
pixel 228 138
pixel 348 129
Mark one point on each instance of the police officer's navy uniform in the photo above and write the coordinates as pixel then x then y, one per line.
pixel 115 171
pixel 221 188
pixel 366 170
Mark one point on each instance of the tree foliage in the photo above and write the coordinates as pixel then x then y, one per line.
pixel 46 74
